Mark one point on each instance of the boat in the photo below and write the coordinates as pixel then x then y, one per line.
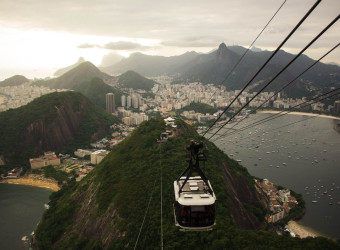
pixel 315 201
pixel 239 160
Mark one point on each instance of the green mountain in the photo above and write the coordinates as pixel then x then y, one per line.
pixel 59 122
pixel 14 81
pixel 131 79
pixel 62 71
pixel 199 108
pixel 107 208
pixel 96 90
pixel 83 72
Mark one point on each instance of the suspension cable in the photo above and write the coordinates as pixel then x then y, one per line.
pixel 146 211
pixel 285 86
pixel 244 54
pixel 266 85
pixel 282 113
pixel 252 43
pixel 272 55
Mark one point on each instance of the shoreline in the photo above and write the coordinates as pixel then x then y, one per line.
pixel 298 113
pixel 302 231
pixel 35 181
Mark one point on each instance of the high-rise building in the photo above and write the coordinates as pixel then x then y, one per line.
pixel 135 101
pixel 110 103
pixel 140 100
pixel 123 100
pixel 128 103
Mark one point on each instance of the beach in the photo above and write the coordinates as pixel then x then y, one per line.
pixel 298 113
pixel 301 231
pixel 34 180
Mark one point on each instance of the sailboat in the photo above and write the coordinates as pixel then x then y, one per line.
pixel 315 201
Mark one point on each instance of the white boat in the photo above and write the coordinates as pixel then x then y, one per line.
pixel 315 201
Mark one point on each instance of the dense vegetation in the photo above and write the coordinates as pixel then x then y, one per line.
pixel 125 181
pixel 17 144
pixel 51 172
pixel 14 81
pixel 96 90
pixel 199 108
pixel 131 79
pixel 148 95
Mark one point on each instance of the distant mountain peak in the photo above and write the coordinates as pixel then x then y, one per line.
pixel 14 81
pixel 81 60
pixel 223 54
pixel 222 46
pixel 62 71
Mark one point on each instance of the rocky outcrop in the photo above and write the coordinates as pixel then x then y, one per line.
pixel 58 133
pixel 54 122
pixel 239 194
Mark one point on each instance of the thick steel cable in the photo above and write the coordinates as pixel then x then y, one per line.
pixel 285 86
pixel 252 43
pixel 272 55
pixel 282 113
pixel 244 54
pixel 265 86
pixel 289 124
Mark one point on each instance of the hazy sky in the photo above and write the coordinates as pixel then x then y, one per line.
pixel 39 36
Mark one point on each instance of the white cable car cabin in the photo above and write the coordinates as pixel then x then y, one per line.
pixel 194 207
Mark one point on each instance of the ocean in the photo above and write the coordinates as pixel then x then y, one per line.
pixel 21 208
pixel 304 157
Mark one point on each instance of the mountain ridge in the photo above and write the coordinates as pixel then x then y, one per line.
pixel 213 68
pixel 14 81
pixel 85 71
pixel 62 71
pixel 106 209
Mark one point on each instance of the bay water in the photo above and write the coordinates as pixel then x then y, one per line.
pixel 21 208
pixel 303 156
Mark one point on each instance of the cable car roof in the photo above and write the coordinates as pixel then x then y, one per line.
pixel 194 192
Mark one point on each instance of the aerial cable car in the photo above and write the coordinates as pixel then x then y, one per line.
pixel 194 206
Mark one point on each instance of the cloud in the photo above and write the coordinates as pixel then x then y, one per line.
pixel 194 41
pixel 124 45
pixel 176 25
pixel 87 46
pixel 120 45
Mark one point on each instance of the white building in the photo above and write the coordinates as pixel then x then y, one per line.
pixel 98 156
